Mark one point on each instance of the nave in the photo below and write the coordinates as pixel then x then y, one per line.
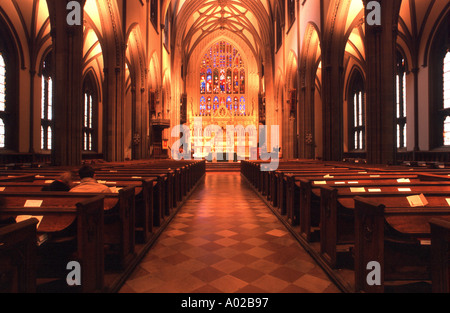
pixel 225 239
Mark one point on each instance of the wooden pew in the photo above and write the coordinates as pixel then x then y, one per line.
pixel 398 239
pixel 77 227
pixel 18 257
pixel 440 255
pixel 118 223
pixel 307 190
pixel 337 215
pixel 17 177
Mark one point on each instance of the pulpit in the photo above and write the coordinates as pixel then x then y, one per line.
pixel 158 126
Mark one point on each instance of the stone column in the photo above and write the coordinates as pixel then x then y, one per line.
pixel 67 91
pixel 380 41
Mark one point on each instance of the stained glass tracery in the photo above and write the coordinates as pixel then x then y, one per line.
pixel 222 73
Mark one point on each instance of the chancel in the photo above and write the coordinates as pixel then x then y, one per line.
pixel 244 146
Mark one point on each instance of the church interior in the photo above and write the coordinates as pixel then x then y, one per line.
pixel 177 104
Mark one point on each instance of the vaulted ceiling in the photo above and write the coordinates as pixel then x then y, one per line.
pixel 196 20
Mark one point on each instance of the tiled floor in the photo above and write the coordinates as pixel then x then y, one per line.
pixel 226 240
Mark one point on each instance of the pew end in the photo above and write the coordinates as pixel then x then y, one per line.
pixel 440 255
pixel 17 255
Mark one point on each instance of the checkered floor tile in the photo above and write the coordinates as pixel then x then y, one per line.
pixel 226 240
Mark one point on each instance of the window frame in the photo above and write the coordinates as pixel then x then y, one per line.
pixel 356 87
pixel 11 57
pixel 46 93
pixel 90 89
pixel 401 103
pixel 438 114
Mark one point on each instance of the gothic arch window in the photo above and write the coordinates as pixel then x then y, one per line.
pixel 9 89
pixel 202 106
pixel 47 103
pixel 242 106
pixel 446 98
pixel 222 72
pixel 440 86
pixel 291 13
pixel 401 100
pixel 229 104
pixel 90 107
pixel 154 13
pixel 357 113
pixel 216 103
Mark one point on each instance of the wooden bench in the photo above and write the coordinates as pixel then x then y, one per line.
pixel 440 255
pixel 337 215
pixel 119 218
pixel 307 192
pixel 397 237
pixel 75 230
pixel 18 257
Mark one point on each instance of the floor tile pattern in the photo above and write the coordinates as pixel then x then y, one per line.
pixel 226 240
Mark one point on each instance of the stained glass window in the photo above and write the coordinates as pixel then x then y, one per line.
pixel 229 81
pixel 216 103
pixel 222 72
pixel 401 101
pixel 242 105
pixel 203 81
pixel 208 105
pixel 46 103
pixel 229 104
pixel 236 81
pixel 2 99
pixel 202 106
pixel 242 81
pixel 216 81
pixel 209 85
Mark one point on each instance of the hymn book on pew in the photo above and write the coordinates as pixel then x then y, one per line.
pixel 33 203
pixel 417 201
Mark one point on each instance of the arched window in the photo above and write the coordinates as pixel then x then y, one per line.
pixel 203 81
pixel 357 113
pixel 89 114
pixel 47 103
pixel 208 105
pixel 229 104
pixel 236 81
pixel 222 72
pixel 216 103
pixel 202 106
pixel 401 101
pixel 2 100
pixel 216 81
pixel 242 81
pixel 446 87
pixel 209 86
pixel 439 85
pixel 242 106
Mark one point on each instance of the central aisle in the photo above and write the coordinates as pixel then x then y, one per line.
pixel 226 240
